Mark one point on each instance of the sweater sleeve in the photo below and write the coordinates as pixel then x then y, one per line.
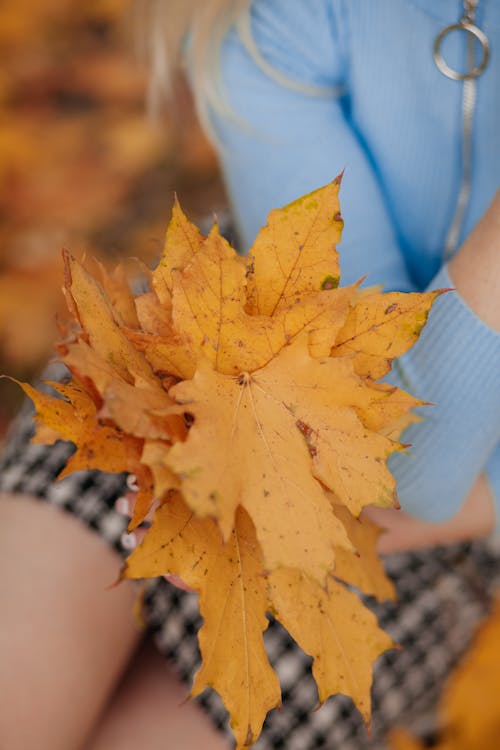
pixel 455 365
pixel 278 143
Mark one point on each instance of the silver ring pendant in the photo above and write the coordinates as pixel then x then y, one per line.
pixel 445 69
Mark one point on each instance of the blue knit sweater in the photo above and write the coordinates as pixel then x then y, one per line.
pixel 393 121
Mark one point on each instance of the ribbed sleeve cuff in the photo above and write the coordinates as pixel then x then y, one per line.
pixel 456 366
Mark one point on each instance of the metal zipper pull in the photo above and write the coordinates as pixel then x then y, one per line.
pixel 474 34
pixel 466 23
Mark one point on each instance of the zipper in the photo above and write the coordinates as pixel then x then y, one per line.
pixel 469 89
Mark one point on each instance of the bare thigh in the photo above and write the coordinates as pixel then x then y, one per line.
pixel 65 637
pixel 149 711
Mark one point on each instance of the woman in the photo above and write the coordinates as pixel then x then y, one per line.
pixel 292 94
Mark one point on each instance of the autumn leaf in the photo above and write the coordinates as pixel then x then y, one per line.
pixel 87 365
pixel 208 309
pixel 244 448
pixel 74 418
pixel 362 568
pixel 93 311
pixel 322 396
pixel 60 415
pixel 295 254
pixel 233 603
pixel 243 394
pixel 151 315
pixel 170 355
pixel 381 327
pixel 182 242
pixel 390 409
pixel 332 626
pixel 153 456
pixel 236 613
pixel 117 289
pixel 323 315
pixel 143 409
pixel 191 548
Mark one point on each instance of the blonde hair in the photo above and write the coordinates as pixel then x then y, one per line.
pixel 163 27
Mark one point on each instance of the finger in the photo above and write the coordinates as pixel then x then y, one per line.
pixel 178 583
pixel 125 504
pixel 132 482
pixel 122 506
pixel 130 540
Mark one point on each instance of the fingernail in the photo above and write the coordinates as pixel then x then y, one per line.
pixel 122 506
pixel 132 482
pixel 128 541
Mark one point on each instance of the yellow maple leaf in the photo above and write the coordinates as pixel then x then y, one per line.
pixel 288 420
pixel 233 603
pixel 74 418
pixel 117 289
pixel 331 624
pixel 333 627
pixel 362 568
pixel 381 327
pixel 208 298
pixel 207 308
pixel 143 409
pixel 94 312
pixel 389 411
pixel 294 254
pixel 152 315
pixel 182 242
pixel 153 456
pixel 239 426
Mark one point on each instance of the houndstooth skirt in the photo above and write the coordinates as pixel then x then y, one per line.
pixel 443 593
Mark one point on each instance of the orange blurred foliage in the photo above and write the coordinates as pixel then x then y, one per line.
pixel 469 709
pixel 80 164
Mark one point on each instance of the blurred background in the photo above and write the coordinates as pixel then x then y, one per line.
pixel 81 165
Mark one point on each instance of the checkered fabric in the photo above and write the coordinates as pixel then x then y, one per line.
pixel 443 593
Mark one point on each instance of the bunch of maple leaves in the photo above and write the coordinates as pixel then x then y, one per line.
pixel 243 394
